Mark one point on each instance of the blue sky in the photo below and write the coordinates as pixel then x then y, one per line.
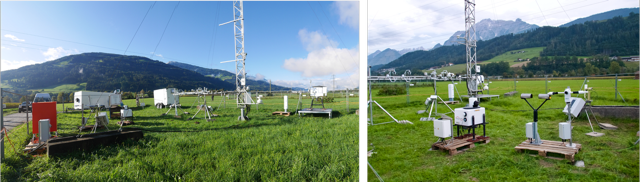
pixel 287 42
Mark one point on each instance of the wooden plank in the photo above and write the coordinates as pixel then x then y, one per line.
pixel 551 147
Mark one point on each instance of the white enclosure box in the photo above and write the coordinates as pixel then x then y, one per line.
pixel 575 107
pixel 318 91
pixel 451 89
pixel 165 96
pixel 565 130
pixel 466 116
pixel 442 128
pixel 529 130
pixel 102 118
pixel 126 113
pixel 286 103
pixel 43 129
pixel 86 99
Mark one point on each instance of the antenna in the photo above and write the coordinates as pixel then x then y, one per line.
pixel 240 56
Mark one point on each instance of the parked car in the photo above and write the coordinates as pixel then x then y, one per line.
pixel 24 107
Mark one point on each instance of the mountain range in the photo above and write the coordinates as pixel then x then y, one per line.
pixel 107 72
pixel 388 55
pixel 488 29
pixel 603 16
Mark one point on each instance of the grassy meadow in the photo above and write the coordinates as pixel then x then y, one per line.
pixel 265 148
pixel 402 151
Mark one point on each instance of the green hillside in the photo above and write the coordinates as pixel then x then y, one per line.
pixel 506 57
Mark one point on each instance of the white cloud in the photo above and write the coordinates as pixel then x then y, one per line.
pixel 3 47
pixel 159 55
pixel 259 76
pixel 349 12
pixel 404 24
pixel 13 37
pixel 345 81
pixel 315 40
pixel 9 65
pixel 55 53
pixel 323 58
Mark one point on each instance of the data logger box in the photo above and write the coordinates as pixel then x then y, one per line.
pixel 565 130
pixel 466 116
pixel 442 128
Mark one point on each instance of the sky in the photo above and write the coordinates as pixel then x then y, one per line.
pixel 290 43
pixel 401 24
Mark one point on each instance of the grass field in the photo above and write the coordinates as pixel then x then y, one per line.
pixel 266 148
pixel 507 57
pixel 64 88
pixel 402 151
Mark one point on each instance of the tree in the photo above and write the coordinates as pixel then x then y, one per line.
pixel 614 67
pixel 60 97
pixel 142 92
pixel 71 96
pixel 7 100
pixel 22 99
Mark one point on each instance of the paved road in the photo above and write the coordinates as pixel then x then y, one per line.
pixel 13 120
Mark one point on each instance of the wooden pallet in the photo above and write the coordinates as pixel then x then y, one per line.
pixel 126 123
pixel 551 147
pixel 281 113
pixel 458 145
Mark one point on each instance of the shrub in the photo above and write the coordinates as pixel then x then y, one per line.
pixel 392 90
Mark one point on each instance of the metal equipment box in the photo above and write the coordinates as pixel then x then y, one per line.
pixel 565 130
pixel 44 110
pixel 529 130
pixel 442 128
pixel 465 116
pixel 43 128
pixel 576 106
pixel 126 113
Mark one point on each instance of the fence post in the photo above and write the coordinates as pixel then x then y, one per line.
pixel 1 127
pixel 616 94
pixel 546 89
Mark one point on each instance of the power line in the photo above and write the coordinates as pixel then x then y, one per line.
pixel 545 18
pixel 565 12
pixel 165 29
pixel 134 35
pixel 212 44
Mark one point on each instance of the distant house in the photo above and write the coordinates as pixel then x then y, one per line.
pixel 450 64
pixel 631 58
pixel 613 57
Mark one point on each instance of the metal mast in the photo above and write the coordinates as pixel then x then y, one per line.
pixel 240 56
pixel 470 42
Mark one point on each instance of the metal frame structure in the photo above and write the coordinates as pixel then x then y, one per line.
pixel 240 57
pixel 470 43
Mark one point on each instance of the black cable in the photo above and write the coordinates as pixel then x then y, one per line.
pixel 134 35
pixel 213 41
pixel 545 18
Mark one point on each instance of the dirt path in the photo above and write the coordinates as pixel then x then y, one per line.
pixel 13 120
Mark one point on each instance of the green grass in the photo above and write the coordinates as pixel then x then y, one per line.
pixel 266 148
pixel 403 150
pixel 9 111
pixel 507 57
pixel 63 88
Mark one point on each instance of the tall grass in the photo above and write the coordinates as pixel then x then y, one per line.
pixel 403 150
pixel 266 148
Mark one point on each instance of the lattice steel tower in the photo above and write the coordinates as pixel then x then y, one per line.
pixel 240 56
pixel 470 42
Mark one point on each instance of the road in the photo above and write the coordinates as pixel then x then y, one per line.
pixel 13 120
